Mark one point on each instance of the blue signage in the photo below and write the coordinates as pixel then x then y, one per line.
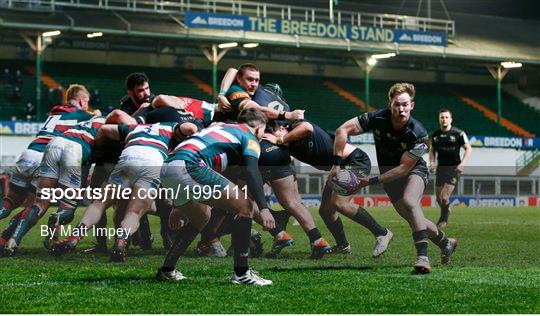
pixel 314 29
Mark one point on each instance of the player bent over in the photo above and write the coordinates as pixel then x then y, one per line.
pixel 138 170
pixel 400 142
pixel 61 168
pixel 194 166
pixel 311 144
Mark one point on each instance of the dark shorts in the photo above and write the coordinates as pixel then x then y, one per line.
pixel 447 175
pixel 358 161
pixel 396 188
pixel 275 162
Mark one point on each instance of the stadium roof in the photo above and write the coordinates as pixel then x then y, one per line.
pixel 478 38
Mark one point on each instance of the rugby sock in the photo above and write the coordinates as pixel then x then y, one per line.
pixel 421 242
pixel 66 211
pixel 336 229
pixel 101 240
pixel 445 212
pixel 145 233
pixel 440 240
pixel 314 235
pixel 12 225
pixel 183 239
pixel 363 218
pixel 6 207
pixel 208 233
pixel 241 232
pixel 281 218
pixel 29 218
pixel 226 227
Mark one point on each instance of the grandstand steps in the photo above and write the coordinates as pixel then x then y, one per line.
pixel 513 90
pixel 511 126
pixel 348 96
pixel 206 88
pixel 527 163
pixel 46 79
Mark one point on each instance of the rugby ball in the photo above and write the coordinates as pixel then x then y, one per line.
pixel 344 183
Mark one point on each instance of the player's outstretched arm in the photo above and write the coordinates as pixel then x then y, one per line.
pixel 351 127
pixel 271 113
pixel 300 131
pixel 168 100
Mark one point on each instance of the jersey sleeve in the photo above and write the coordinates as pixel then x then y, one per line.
pixel 251 147
pixel 365 120
pixel 83 116
pixel 123 130
pixel 463 139
pixel 236 95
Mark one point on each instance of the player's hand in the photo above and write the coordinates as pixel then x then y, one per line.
pixel 460 168
pixel 363 182
pixel 223 104
pixel 97 113
pixel 295 115
pixel 175 219
pixel 269 137
pixel 432 168
pixel 267 220
pixel 145 105
pixel 334 172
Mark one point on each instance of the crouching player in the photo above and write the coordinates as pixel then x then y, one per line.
pixel 193 167
pixel 138 171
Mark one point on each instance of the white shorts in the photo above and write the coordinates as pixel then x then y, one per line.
pixel 138 165
pixel 195 183
pixel 26 167
pixel 62 160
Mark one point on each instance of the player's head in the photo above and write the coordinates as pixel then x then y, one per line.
pixel 248 78
pixel 138 87
pixel 78 95
pixel 255 119
pixel 401 100
pixel 445 118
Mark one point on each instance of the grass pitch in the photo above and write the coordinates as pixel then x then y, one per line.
pixel 496 269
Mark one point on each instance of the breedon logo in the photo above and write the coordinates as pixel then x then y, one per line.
pixel 405 37
pixel 199 20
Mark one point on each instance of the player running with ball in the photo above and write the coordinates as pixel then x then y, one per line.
pixel 400 142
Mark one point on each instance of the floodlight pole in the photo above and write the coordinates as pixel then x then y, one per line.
pixel 366 68
pixel 38 47
pixel 214 57
pixel 498 74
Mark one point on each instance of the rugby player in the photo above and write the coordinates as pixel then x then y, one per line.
pixel 138 169
pixel 311 144
pixel 445 145
pixel 400 142
pixel 61 164
pixel 194 166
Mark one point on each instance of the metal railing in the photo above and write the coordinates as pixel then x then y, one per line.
pixel 250 8
pixel 528 161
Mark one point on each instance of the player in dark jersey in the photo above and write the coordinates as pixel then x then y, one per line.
pixel 400 143
pixel 311 144
pixel 138 89
pixel 239 96
pixel 276 170
pixel 446 143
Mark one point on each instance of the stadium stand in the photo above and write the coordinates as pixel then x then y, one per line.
pixel 328 100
